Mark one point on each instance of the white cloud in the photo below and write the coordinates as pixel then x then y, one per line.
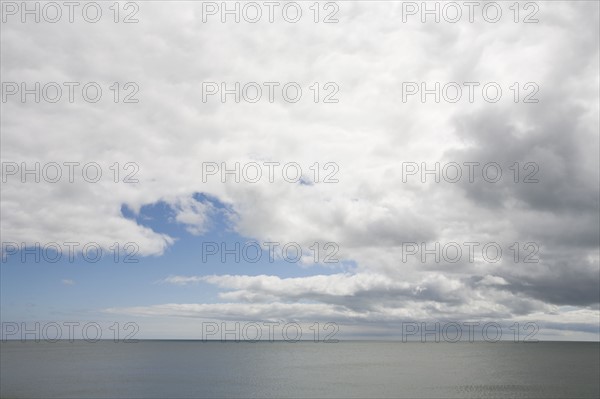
pixel 369 133
pixel 194 214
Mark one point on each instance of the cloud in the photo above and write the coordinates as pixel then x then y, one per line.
pixel 368 134
pixel 194 214
pixel 367 294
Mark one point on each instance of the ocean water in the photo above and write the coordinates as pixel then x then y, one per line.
pixel 180 369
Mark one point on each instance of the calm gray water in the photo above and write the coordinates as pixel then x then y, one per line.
pixel 280 369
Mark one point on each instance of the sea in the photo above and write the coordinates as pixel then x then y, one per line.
pixel 345 369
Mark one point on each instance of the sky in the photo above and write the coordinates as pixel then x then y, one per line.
pixel 414 170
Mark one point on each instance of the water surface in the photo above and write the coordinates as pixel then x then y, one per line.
pixel 180 369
